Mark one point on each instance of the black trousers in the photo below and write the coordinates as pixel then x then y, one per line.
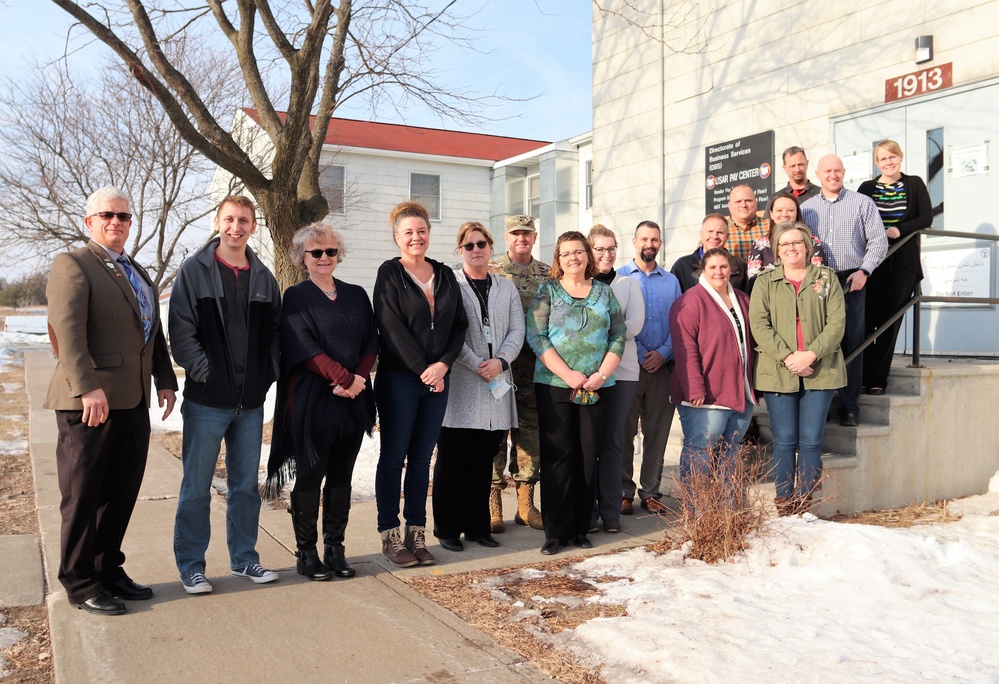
pixel 100 472
pixel 886 293
pixel 336 464
pixel 462 479
pixel 571 436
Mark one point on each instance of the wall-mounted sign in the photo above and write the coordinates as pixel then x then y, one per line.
pixel 743 161
pixel 920 82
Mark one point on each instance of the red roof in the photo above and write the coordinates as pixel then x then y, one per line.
pixel 399 138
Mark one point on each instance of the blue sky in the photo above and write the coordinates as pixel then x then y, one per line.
pixel 534 47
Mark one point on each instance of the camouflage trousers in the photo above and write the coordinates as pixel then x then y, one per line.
pixel 523 456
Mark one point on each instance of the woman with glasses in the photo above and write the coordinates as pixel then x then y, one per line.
pixel 576 328
pixel 422 323
pixel 783 206
pixel 480 407
pixel 618 399
pixel 710 384
pixel 905 207
pixel 797 315
pixel 329 343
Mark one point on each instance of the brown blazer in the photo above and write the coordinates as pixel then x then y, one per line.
pixel 94 318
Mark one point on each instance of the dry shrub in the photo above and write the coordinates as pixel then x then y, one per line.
pixel 927 513
pixel 721 506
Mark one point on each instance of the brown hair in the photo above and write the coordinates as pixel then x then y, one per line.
pixel 573 236
pixel 713 252
pixel 469 227
pixel 407 210
pixel 239 201
pixel 786 227
pixel 786 195
pixel 600 230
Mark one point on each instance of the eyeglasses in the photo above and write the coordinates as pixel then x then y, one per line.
pixel 797 244
pixel 579 254
pixel 601 250
pixel 469 246
pixel 123 216
pixel 329 251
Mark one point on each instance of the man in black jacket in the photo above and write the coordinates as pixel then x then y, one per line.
pixel 224 319
pixel 714 233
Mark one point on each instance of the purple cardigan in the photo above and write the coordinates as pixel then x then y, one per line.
pixel 706 349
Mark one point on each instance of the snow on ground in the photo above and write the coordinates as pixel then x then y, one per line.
pixel 812 601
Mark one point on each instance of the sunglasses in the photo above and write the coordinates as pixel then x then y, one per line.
pixel 329 251
pixel 108 215
pixel 469 246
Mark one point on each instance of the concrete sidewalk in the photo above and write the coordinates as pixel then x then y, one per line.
pixel 372 628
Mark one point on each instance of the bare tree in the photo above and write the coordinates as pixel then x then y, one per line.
pixel 63 138
pixel 315 55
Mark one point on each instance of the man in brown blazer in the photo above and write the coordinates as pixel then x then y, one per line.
pixel 107 336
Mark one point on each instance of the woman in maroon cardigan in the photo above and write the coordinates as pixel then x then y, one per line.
pixel 714 356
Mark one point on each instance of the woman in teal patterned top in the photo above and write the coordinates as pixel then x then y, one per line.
pixel 576 328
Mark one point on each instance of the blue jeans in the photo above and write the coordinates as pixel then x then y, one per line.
pixel 707 429
pixel 798 421
pixel 205 428
pixel 410 418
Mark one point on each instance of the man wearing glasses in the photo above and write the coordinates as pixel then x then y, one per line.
pixel 655 357
pixel 520 267
pixel 224 320
pixel 107 337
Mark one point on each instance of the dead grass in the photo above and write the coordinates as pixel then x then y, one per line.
pixel 29 661
pixel 907 516
pixel 518 607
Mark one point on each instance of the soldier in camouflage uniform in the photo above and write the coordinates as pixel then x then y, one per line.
pixel 526 273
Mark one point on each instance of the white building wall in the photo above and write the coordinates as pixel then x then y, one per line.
pixel 749 66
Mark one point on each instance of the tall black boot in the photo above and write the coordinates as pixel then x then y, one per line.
pixel 304 518
pixel 336 510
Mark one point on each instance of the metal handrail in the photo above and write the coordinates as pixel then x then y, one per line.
pixel 919 298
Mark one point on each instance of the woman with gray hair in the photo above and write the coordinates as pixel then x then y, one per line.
pixel 480 405
pixel 329 343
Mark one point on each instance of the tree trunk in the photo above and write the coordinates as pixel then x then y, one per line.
pixel 283 220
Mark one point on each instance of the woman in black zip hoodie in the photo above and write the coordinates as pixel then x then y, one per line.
pixel 422 324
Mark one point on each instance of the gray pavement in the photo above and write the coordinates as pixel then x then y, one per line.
pixel 372 628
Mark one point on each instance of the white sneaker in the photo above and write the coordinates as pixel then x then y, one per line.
pixel 257 573
pixel 196 583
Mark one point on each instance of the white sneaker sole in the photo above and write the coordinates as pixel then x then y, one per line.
pixel 269 576
pixel 203 588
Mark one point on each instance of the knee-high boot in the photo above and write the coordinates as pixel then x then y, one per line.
pixel 304 519
pixel 336 510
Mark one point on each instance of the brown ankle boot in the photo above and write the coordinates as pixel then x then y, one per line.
pixel 394 550
pixel 527 513
pixel 416 542
pixel 496 524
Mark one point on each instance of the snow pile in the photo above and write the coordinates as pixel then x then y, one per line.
pixel 814 601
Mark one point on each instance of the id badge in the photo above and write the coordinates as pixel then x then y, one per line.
pixel 488 330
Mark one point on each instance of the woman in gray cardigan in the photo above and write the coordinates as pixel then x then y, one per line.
pixel 480 406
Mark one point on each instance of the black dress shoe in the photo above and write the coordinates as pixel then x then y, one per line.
pixel 451 544
pixel 551 547
pixel 582 541
pixel 849 420
pixel 102 604
pixel 125 588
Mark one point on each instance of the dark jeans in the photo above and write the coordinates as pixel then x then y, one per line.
pixel 410 417
pixel 570 438
pixel 610 463
pixel 100 472
pixel 462 479
pixel 856 324
pixel 886 293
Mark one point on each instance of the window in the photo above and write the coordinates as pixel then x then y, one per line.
pixel 534 196
pixel 425 188
pixel 515 196
pixel 332 183
pixel 589 184
pixel 935 174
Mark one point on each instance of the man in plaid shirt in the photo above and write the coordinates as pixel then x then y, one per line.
pixel 743 225
pixel 850 227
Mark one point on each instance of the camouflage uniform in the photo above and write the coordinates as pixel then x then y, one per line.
pixel 524 448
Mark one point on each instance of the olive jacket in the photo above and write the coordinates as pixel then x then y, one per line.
pixel 772 313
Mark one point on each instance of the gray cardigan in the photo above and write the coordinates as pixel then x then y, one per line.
pixel 470 404
pixel 629 295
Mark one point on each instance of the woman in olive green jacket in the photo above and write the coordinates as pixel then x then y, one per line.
pixel 797 315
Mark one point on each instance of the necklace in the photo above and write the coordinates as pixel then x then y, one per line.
pixel 331 294
pixel 478 295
